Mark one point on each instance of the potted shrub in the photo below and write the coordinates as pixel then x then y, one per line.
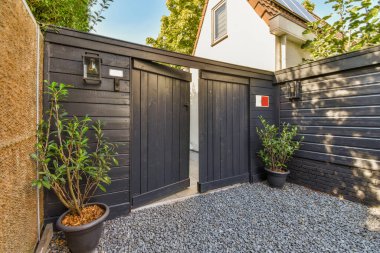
pixel 278 147
pixel 74 169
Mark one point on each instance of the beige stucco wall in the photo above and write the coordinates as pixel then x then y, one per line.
pixel 18 114
pixel 294 54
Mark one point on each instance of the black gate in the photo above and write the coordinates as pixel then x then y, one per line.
pixel 160 131
pixel 223 130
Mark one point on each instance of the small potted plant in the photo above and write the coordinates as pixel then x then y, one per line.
pixel 278 147
pixel 74 169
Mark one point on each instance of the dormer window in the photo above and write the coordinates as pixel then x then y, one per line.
pixel 219 22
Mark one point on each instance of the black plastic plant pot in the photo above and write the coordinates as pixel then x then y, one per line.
pixel 85 238
pixel 276 179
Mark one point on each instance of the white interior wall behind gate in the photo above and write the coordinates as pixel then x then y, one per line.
pixel 249 42
pixel 194 128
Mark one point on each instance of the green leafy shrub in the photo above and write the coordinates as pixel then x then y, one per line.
pixel 278 145
pixel 309 5
pixel 357 27
pixel 82 15
pixel 68 164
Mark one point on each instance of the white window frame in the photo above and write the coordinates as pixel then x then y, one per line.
pixel 214 40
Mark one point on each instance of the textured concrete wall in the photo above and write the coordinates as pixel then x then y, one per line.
pixel 18 112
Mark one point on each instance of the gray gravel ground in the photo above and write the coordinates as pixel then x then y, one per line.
pixel 247 218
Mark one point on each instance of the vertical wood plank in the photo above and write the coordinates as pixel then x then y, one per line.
pixel 254 141
pixel 223 130
pixel 217 122
pixel 244 138
pixel 168 129
pixel 229 115
pixel 236 129
pixel 136 140
pixel 176 135
pixel 210 130
pixel 276 108
pixel 153 144
pixel 187 137
pixel 241 130
pixel 144 133
pixel 249 132
pixel 202 112
pixel 160 173
pixel 184 130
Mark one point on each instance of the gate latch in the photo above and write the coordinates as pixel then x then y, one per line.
pixel 117 84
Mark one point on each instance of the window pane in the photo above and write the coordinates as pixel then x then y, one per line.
pixel 220 21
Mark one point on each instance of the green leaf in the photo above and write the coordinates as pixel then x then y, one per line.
pixel 46 184
pixel 101 187
pixel 357 27
pixel 34 156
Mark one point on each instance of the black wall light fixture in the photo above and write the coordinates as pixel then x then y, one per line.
pixel 92 65
pixel 294 90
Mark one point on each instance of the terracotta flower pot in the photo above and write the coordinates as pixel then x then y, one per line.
pixel 84 238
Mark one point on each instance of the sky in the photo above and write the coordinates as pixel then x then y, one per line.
pixel 135 20
pixel 132 20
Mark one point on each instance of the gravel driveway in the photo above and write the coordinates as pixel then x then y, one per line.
pixel 246 218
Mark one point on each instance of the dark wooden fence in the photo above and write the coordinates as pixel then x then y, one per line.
pixel 160 131
pixel 339 115
pixel 224 125
pixel 63 63
pixel 149 115
pixel 228 117
pixel 146 111
pixel 271 114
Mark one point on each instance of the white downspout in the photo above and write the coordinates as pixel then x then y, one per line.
pixel 38 109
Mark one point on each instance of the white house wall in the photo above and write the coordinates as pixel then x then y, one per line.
pixel 249 42
pixel 194 130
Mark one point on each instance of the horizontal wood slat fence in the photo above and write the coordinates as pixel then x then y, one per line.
pixel 338 113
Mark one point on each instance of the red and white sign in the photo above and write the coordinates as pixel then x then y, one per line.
pixel 262 101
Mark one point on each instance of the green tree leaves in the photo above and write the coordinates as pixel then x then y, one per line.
pixel 309 5
pixel 179 29
pixel 357 27
pixel 76 14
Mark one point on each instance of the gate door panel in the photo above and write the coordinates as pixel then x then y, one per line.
pixel 223 130
pixel 160 131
